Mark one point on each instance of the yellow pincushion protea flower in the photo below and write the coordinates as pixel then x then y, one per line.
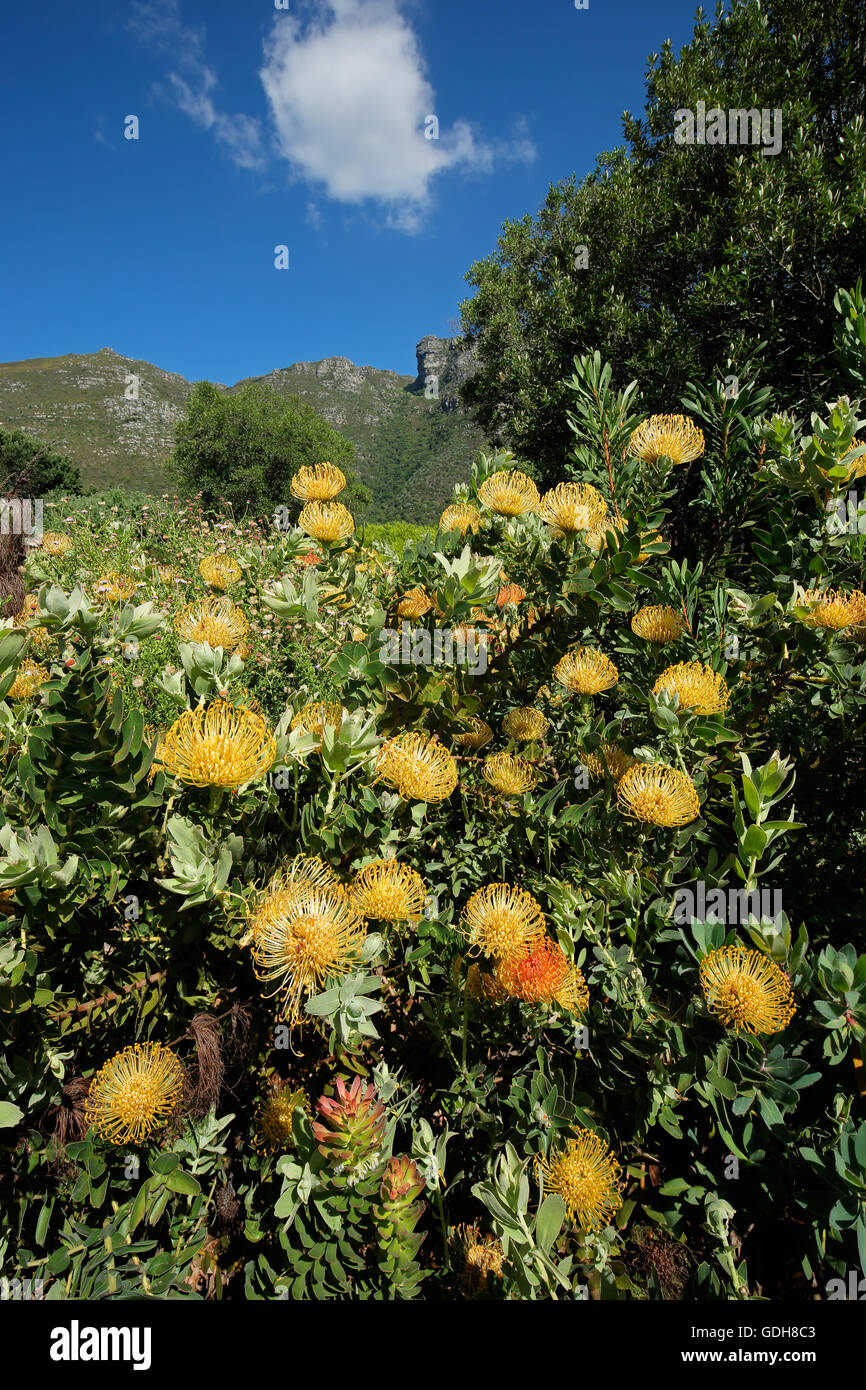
pixel 327 521
pixel 476 736
pixel 586 671
pixel 219 570
pixel 40 636
pixel 525 723
pixel 746 990
pixel 274 1120
pixel 414 604
pixel 221 745
pixel 460 516
pixel 166 574
pixel 831 609
pixel 114 587
pixel 389 892
pixel 56 543
pixel 480 984
pixel 571 507
pixel 304 871
pixel 301 937
pixel 699 687
pixel 8 906
pixel 588 1179
pixel 134 1094
pixel 596 537
pixel 509 493
pixel 659 623
pixel 503 922
pixel 477 1258
pixel 217 621
pixel 657 794
pixel 418 767
pixel 509 774
pixel 315 716
pixel 319 482
pixel 856 469
pixel 545 975
pixel 28 678
pixel 618 760
pixel 667 436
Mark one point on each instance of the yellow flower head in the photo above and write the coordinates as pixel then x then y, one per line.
pixel 545 975
pixel 414 604
pixel 217 621
pixel 134 1093
pixel 477 1258
pixel 658 794
pixel 303 936
pixel 832 609
pixel 165 574
pixel 508 774
pixel 56 543
pixel 667 436
pixel 699 687
pixel 503 922
pixel 418 767
pixel 219 570
pixel 588 1179
pixel 318 483
pixel 596 537
pixel 509 493
pixel 314 717
pixel 274 1119
pixel 525 723
pixel 586 671
pixel 618 761
pixel 218 746
pixel 28 679
pixel 476 736
pixel 460 516
pixel 480 984
pixel 115 587
pixel 571 507
pixel 8 905
pixel 389 892
pixel 327 521
pixel 658 623
pixel 746 990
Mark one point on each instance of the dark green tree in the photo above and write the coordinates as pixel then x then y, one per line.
pixel 242 448
pixel 694 253
pixel 31 468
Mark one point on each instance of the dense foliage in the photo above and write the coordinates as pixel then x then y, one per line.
pixel 535 971
pixel 243 448
pixel 32 468
pixel 692 254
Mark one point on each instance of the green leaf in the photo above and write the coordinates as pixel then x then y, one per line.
pixel 548 1223
pixel 9 1114
pixel 183 1182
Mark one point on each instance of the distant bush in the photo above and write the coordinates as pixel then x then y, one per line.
pixel 40 467
pixel 395 533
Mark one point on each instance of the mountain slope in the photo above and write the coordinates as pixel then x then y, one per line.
pixel 412 440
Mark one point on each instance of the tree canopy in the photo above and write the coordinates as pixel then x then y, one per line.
pixel 31 468
pixel 242 449
pixel 670 258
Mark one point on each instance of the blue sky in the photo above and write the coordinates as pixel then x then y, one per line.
pixel 301 127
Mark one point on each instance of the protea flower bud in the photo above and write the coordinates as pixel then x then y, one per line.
pixel 352 1127
pixel 396 1216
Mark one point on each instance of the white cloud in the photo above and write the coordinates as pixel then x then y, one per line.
pixel 349 96
pixel 158 24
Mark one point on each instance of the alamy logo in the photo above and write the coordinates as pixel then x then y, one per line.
pixel 76 1343
pixel 732 907
pixel 416 646
pixel 21 516
pixel 853 1291
pixel 735 127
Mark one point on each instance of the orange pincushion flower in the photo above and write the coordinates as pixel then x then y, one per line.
pixel 545 975
pixel 510 593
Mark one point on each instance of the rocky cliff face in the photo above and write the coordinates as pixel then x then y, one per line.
pixel 115 417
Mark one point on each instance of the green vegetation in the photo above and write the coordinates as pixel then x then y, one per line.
pixel 702 258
